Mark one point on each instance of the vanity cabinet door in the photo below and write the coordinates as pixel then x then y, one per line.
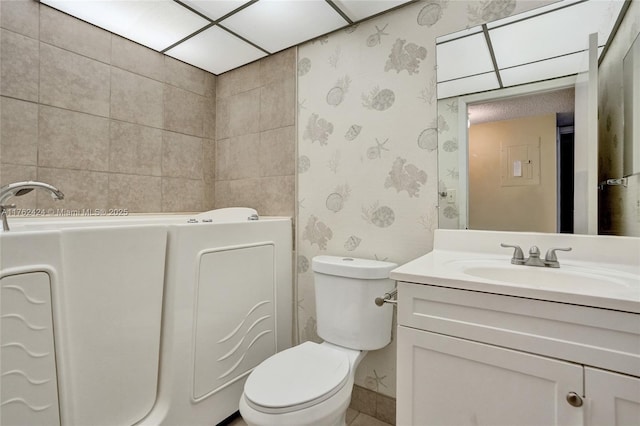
pixel 614 399
pixel 445 380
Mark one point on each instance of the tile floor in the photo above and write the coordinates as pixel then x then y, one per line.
pixel 354 418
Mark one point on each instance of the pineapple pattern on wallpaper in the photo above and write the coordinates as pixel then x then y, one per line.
pixel 368 145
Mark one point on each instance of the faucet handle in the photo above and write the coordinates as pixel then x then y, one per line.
pixel 518 255
pixel 551 260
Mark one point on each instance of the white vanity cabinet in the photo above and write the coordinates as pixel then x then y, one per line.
pixel 475 358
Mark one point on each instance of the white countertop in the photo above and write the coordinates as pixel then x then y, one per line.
pixel 614 260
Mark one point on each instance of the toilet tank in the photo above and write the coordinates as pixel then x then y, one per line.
pixel 346 289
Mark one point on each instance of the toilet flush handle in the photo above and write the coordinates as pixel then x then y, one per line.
pixel 389 297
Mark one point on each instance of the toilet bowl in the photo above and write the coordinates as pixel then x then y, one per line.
pixel 311 384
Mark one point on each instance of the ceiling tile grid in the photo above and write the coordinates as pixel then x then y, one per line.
pixel 542 43
pixel 220 35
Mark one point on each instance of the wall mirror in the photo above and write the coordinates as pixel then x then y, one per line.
pixel 631 87
pixel 505 66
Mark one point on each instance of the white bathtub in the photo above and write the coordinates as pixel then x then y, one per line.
pixel 125 320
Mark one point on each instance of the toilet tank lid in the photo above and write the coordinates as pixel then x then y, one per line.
pixel 351 267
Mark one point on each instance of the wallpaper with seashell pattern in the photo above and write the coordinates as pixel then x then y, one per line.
pixel 446 126
pixel 367 146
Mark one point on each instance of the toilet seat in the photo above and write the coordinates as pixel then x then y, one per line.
pixel 297 378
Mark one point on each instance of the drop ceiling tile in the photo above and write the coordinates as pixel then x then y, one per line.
pixel 215 9
pixel 459 34
pixel 216 51
pixel 357 10
pixel 547 69
pixel 277 24
pixel 553 34
pixel 532 12
pixel 463 57
pixel 154 23
pixel 463 86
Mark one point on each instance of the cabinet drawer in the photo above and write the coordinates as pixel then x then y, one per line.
pixel 591 336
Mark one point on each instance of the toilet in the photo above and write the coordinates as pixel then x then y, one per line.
pixel 311 384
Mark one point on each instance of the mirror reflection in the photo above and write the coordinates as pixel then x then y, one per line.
pixel 516 171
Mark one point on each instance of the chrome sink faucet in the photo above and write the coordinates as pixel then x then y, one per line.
pixel 18 189
pixel 550 259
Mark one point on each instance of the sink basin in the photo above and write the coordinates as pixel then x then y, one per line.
pixel 601 271
pixel 566 278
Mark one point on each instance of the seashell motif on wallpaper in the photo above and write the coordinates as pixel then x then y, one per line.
pixel 428 93
pixel 431 13
pixel 380 216
pixel 375 152
pixel 353 132
pixel 335 57
pixel 352 243
pixel 405 57
pixel 428 221
pixel 335 201
pixel 334 162
pixel 428 139
pixel 450 212
pixel 453 173
pixel 440 123
pixel 374 382
pixel 301 105
pixel 335 96
pixel 450 145
pixel 304 163
pixel 452 106
pixel 317 130
pixel 317 232
pixel 376 38
pixel 303 264
pixel 379 100
pixel 405 177
pixel 489 10
pixel 304 66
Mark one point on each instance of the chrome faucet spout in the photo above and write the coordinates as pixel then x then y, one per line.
pixel 19 189
pixel 550 259
pixel 534 257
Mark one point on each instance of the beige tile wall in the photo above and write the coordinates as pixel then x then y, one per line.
pixel 110 122
pixel 255 135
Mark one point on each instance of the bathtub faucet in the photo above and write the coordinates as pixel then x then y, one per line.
pixel 18 189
